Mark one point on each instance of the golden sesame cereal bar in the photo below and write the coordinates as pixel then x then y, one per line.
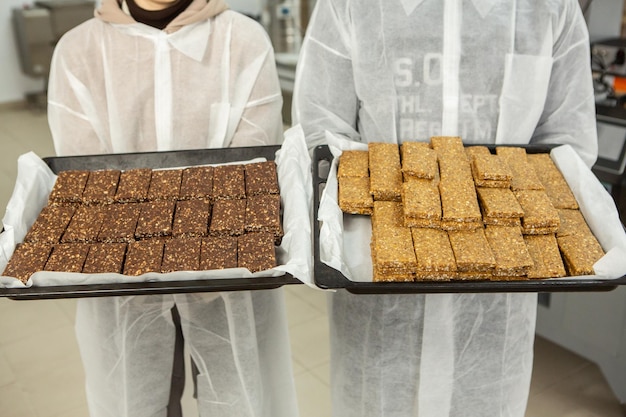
pixel 580 252
pixel 388 213
pixel 499 203
pixel 502 221
pixel 454 167
pixel 385 171
pixel 419 160
pixel 538 210
pixel 556 187
pixel 509 249
pixel 353 164
pixel 547 261
pixel 354 195
pixel 477 150
pixel 433 252
pixel 459 203
pixel 572 222
pixel 472 251
pixel 524 176
pixel 421 200
pixel 448 145
pixel 393 248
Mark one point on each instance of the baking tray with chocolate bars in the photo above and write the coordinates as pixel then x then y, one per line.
pixel 170 159
pixel 329 278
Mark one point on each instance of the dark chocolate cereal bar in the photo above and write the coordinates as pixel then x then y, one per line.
pixel 181 254
pixel 256 252
pixel 120 221
pixel 261 178
pixel 85 224
pixel 67 257
pixel 101 186
pixel 105 258
pixel 165 184
pixel 133 186
pixel 219 252
pixel 263 214
pixel 229 182
pixel 197 182
pixel 191 218
pixel 50 224
pixel 155 219
pixel 68 187
pixel 143 256
pixel 228 218
pixel 27 259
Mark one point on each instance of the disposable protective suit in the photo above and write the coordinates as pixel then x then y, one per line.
pixel 492 72
pixel 207 81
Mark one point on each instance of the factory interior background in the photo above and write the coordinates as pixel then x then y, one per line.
pixel 580 350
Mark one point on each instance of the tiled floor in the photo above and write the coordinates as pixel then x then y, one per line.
pixel 41 373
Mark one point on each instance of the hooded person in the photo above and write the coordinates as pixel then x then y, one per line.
pixel 193 75
pixel 491 72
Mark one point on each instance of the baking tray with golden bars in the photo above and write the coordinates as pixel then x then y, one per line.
pixel 484 241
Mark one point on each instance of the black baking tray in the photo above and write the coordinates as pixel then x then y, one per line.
pixel 168 159
pixel 326 277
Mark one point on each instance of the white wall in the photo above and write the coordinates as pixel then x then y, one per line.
pixel 250 7
pixel 13 84
pixel 605 19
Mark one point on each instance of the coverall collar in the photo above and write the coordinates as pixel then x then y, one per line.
pixel 483 6
pixel 191 40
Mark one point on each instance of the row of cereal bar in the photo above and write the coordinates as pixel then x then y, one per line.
pixel 125 222
pixel 254 251
pixel 144 184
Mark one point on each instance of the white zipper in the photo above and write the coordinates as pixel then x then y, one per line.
pixel 452 17
pixel 163 93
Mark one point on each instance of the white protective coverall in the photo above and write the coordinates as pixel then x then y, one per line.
pixel 207 81
pixel 490 71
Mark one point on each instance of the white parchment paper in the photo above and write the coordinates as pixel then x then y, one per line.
pixel 35 180
pixel 344 239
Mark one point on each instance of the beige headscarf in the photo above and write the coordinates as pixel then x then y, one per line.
pixel 111 11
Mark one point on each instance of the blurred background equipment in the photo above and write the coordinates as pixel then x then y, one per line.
pixel 38 28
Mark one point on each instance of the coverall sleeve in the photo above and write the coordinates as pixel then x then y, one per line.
pixel 570 91
pixel 261 120
pixel 324 93
pixel 71 114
